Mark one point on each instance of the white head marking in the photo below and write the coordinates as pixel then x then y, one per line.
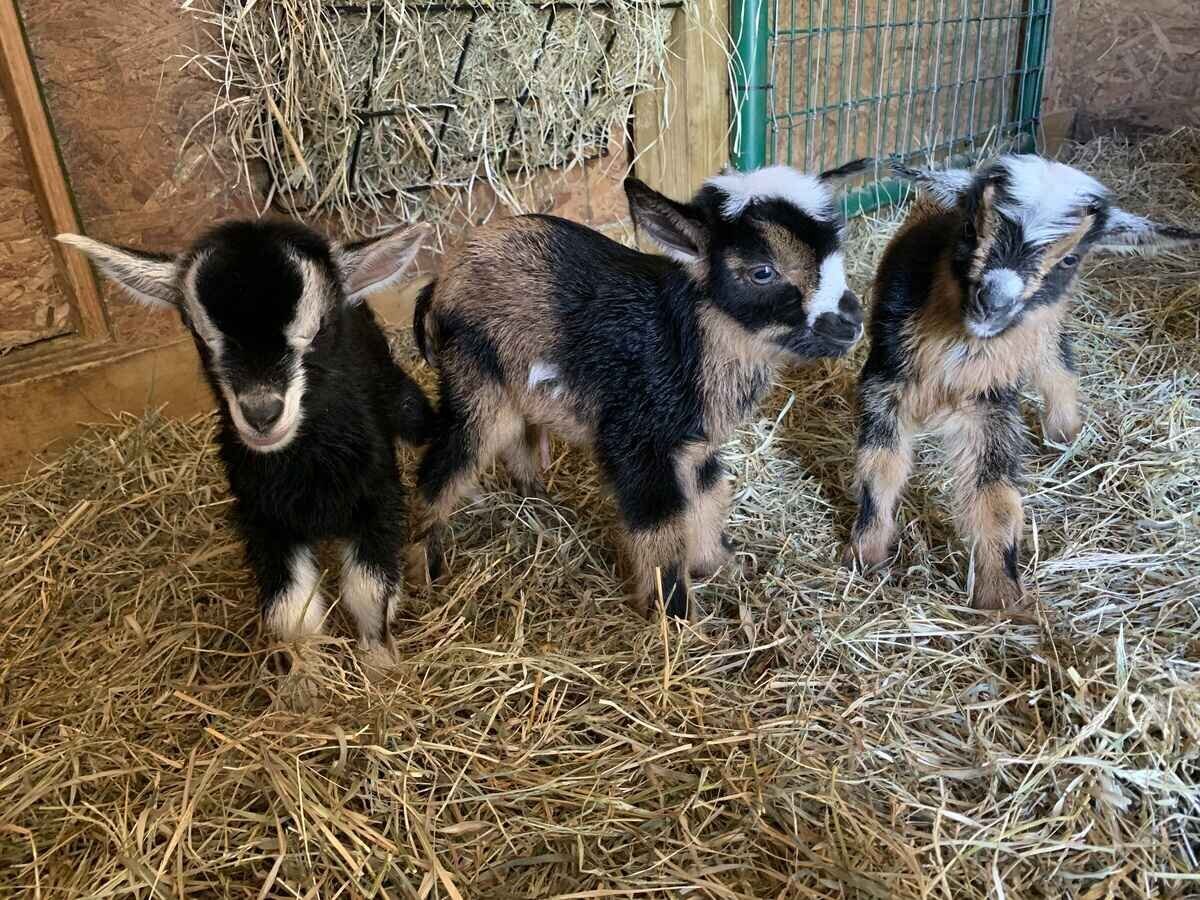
pixel 801 190
pixel 830 288
pixel 1044 197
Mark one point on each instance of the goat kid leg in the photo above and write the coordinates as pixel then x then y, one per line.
pixel 709 546
pixel 371 579
pixel 882 466
pixel 462 445
pixel 985 440
pixel 521 459
pixel 1057 380
pixel 290 597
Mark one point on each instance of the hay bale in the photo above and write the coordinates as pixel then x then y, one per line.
pixel 817 735
pixel 385 111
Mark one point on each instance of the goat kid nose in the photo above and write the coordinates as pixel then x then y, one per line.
pixel 261 411
pixel 850 309
pixel 999 290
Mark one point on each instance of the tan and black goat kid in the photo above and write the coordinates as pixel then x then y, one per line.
pixel 970 302
pixel 310 404
pixel 651 360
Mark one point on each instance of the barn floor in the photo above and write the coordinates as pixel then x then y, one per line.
pixel 816 735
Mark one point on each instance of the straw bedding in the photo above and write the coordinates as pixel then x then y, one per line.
pixel 815 735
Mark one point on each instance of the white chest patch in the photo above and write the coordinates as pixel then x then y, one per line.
pixel 542 373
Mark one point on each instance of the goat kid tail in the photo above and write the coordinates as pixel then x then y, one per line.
pixel 412 414
pixel 420 320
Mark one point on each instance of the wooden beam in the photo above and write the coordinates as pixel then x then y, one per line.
pixel 27 111
pixel 694 143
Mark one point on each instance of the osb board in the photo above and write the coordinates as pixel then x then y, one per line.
pixel 33 306
pixel 38 416
pixel 1131 65
pixel 121 108
pixel 944 68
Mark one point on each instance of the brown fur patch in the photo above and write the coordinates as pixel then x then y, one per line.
pixel 736 362
pixel 949 363
pixel 795 260
pixel 987 227
pixel 651 555
pixel 1055 253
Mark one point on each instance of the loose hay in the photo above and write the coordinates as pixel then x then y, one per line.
pixel 394 110
pixel 817 735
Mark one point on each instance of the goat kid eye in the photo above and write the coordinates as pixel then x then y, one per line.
pixel 763 274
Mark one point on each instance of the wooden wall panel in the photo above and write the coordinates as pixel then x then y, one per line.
pixel 121 109
pixel 33 306
pixel 1125 65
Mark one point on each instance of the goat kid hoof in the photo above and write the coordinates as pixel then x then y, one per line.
pixel 421 568
pixel 706 568
pixel 998 594
pixel 377 660
pixel 866 559
pixel 531 490
pixel 1064 434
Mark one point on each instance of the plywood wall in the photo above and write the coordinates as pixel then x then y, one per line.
pixel 33 306
pixel 122 104
pixel 1121 64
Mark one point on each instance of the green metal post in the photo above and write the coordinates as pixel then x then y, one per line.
pixel 750 43
pixel 1034 65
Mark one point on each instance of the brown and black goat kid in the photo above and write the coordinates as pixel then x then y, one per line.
pixel 971 302
pixel 310 403
pixel 536 322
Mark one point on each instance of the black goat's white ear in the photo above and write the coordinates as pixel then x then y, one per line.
pixel 377 263
pixel 148 278
pixel 946 186
pixel 835 178
pixel 679 230
pixel 1128 233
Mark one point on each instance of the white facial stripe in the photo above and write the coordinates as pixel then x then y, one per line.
pixel 830 288
pixel 1045 197
pixel 299 610
pixel 311 305
pixel 801 190
pixel 198 315
pixel 1004 283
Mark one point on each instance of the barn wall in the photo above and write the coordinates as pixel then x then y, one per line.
pixel 121 107
pixel 1116 64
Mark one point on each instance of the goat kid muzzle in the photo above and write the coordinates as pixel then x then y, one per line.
pixel 844 327
pixel 994 302
pixel 260 418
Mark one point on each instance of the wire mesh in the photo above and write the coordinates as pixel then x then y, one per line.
pixel 928 79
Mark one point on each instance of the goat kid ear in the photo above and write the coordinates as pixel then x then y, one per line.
pixel 835 178
pixel 149 278
pixel 1127 233
pixel 946 186
pixel 377 263
pixel 678 230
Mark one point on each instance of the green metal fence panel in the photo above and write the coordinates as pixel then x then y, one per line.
pixel 820 82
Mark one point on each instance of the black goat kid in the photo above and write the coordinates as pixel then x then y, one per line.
pixel 310 402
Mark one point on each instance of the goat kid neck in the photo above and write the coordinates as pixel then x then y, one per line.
pixel 735 370
pixel 944 353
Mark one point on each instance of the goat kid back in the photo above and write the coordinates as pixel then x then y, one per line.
pixel 310 402
pixel 970 302
pixel 537 322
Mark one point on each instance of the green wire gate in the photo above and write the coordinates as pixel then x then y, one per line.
pixel 817 83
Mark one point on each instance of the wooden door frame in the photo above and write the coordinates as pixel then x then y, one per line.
pixel 27 110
